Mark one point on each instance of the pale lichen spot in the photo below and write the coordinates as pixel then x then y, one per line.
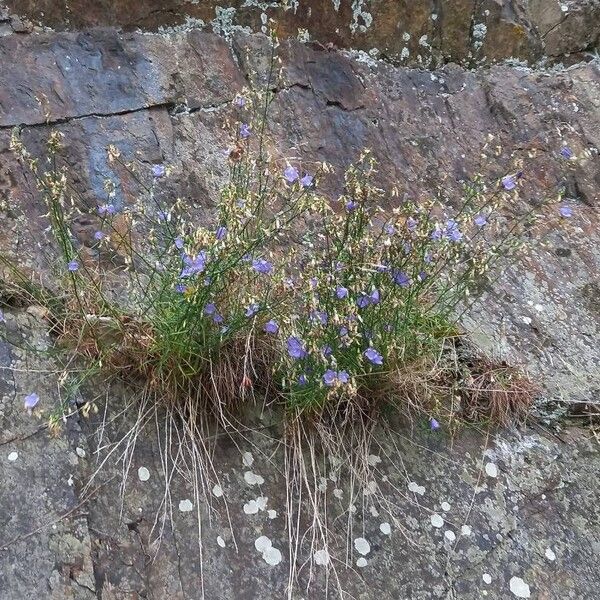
pixel 450 535
pixel 143 474
pixel 247 459
pixel 261 502
pixel 80 452
pixel 13 456
pixel 185 505
pixel 416 488
pixel 220 541
pixel 262 543
pixel 362 546
pixel 338 493
pixel 361 562
pixel 385 528
pixel 445 506
pixel 253 479
pixel 436 520
pixel 373 460
pixel 373 510
pixel 466 530
pixel 251 507
pixel 272 513
pixel 550 554
pixel 491 469
pixel 272 556
pixel 321 557
pixel 519 588
pixel 487 578
pixel 217 490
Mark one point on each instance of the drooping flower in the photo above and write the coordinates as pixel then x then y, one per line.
pixel 389 229
pixel 452 231
pixel 221 232
pixel 271 326
pixel 260 265
pixel 158 171
pixel 343 377
pixel 302 380
pixel 480 220
pixel 565 212
pixel 181 288
pixel 327 350
pixel 31 400
pixel 319 316
pixel 351 205
pixel 365 300
pixel 509 182
pixel 422 276
pixel 252 309
pixel 436 234
pixel 295 348
pixel 373 356
pixel 331 377
pixel 73 266
pixel 400 278
pixel 240 101
pixel 291 174
pixel 106 209
pixel 314 282
pixel 178 242
pixel 341 292
pixel 217 318
pixel 411 224
pixel 343 331
pixel 306 181
pixel 210 309
pixel 434 424
pixel 2 317
pixel 193 265
pixel 245 131
pixel 566 152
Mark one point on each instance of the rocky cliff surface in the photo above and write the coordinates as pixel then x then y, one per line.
pixel 532 518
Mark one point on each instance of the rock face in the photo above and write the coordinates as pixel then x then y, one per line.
pixel 420 33
pixel 163 97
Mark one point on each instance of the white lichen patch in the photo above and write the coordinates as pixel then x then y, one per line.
pixel 450 535
pixel 519 588
pixel 373 460
pixel 272 513
pixel 271 555
pixel 252 478
pixel 373 510
pixel 13 456
pixel 321 557
pixel 251 507
pixel 220 541
pixel 445 506
pixel 262 543
pixel 247 459
pixel 466 530
pixel 361 562
pixel 143 474
pixel 338 493
pixel 406 36
pixel 217 490
pixel 80 452
pixel 550 554
pixel 185 505
pixel 261 502
pixel 385 528
pixel 491 469
pixel 416 488
pixel 487 578
pixel 362 546
pixel 436 520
